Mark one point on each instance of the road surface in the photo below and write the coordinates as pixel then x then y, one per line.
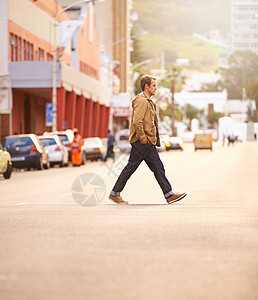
pixel 57 244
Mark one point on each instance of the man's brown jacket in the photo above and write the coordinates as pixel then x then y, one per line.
pixel 144 122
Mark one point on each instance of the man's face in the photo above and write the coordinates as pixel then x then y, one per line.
pixel 152 88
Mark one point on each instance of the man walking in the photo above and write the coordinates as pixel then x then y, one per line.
pixel 110 147
pixel 144 137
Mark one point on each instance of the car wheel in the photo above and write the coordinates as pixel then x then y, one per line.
pixel 8 172
pixel 39 165
pixel 61 165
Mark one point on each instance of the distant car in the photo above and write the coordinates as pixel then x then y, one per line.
pixel 94 148
pixel 175 143
pixel 203 140
pixel 188 137
pixel 26 151
pixel 162 146
pixel 164 140
pixel 57 151
pixel 214 134
pixel 5 163
pixel 122 140
pixel 66 137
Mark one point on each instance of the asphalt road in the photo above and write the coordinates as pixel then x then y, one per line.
pixel 57 243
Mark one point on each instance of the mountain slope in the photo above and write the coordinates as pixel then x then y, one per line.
pixel 171 23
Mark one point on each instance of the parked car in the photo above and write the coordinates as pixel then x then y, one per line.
pixel 5 163
pixel 94 148
pixel 57 151
pixel 66 137
pixel 175 143
pixel 26 151
pixel 122 140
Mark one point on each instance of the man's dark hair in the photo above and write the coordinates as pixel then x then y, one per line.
pixel 146 79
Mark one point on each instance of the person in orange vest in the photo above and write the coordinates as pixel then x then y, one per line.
pixel 76 148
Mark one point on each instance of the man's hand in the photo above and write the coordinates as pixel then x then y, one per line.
pixel 147 142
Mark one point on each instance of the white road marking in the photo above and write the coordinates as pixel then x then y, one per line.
pixel 64 195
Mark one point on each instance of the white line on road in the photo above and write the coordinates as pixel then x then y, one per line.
pixel 64 195
pixel 22 203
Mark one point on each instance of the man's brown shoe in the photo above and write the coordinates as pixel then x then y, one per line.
pixel 175 197
pixel 117 199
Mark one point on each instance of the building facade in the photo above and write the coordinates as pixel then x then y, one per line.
pixel 114 26
pixel 244 26
pixel 26 69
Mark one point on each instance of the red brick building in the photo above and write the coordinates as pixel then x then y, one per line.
pixel 27 64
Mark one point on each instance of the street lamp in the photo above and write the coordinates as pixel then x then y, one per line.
pixel 110 68
pixel 54 72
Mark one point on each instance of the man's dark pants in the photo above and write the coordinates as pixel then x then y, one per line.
pixel 149 154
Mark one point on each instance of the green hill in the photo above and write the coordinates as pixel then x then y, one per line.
pixel 171 23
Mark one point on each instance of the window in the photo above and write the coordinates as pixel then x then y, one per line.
pixel 15 58
pixel 31 52
pixel 28 50
pixel 19 49
pixel 40 54
pixel 25 56
pixel 49 57
pixel 11 47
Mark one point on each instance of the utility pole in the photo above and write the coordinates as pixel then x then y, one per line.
pixel 173 115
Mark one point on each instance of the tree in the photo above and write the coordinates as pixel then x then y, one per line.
pixel 168 112
pixel 173 79
pixel 213 117
pixel 137 54
pixel 243 66
pixel 192 112
pixel 252 93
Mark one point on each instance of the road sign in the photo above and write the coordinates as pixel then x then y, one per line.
pixel 49 114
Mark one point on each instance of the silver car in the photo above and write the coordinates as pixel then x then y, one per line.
pixel 57 151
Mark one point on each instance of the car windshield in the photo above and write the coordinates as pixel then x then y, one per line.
pixel 18 141
pixel 64 138
pixel 48 141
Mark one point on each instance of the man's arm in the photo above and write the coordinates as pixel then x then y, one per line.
pixel 140 108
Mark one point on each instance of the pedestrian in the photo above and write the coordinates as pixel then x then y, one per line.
pixel 76 146
pixel 110 146
pixel 231 139
pixel 144 137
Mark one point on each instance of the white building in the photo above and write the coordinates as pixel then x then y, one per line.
pixel 207 101
pixel 244 26
pixel 238 109
pixel 196 80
